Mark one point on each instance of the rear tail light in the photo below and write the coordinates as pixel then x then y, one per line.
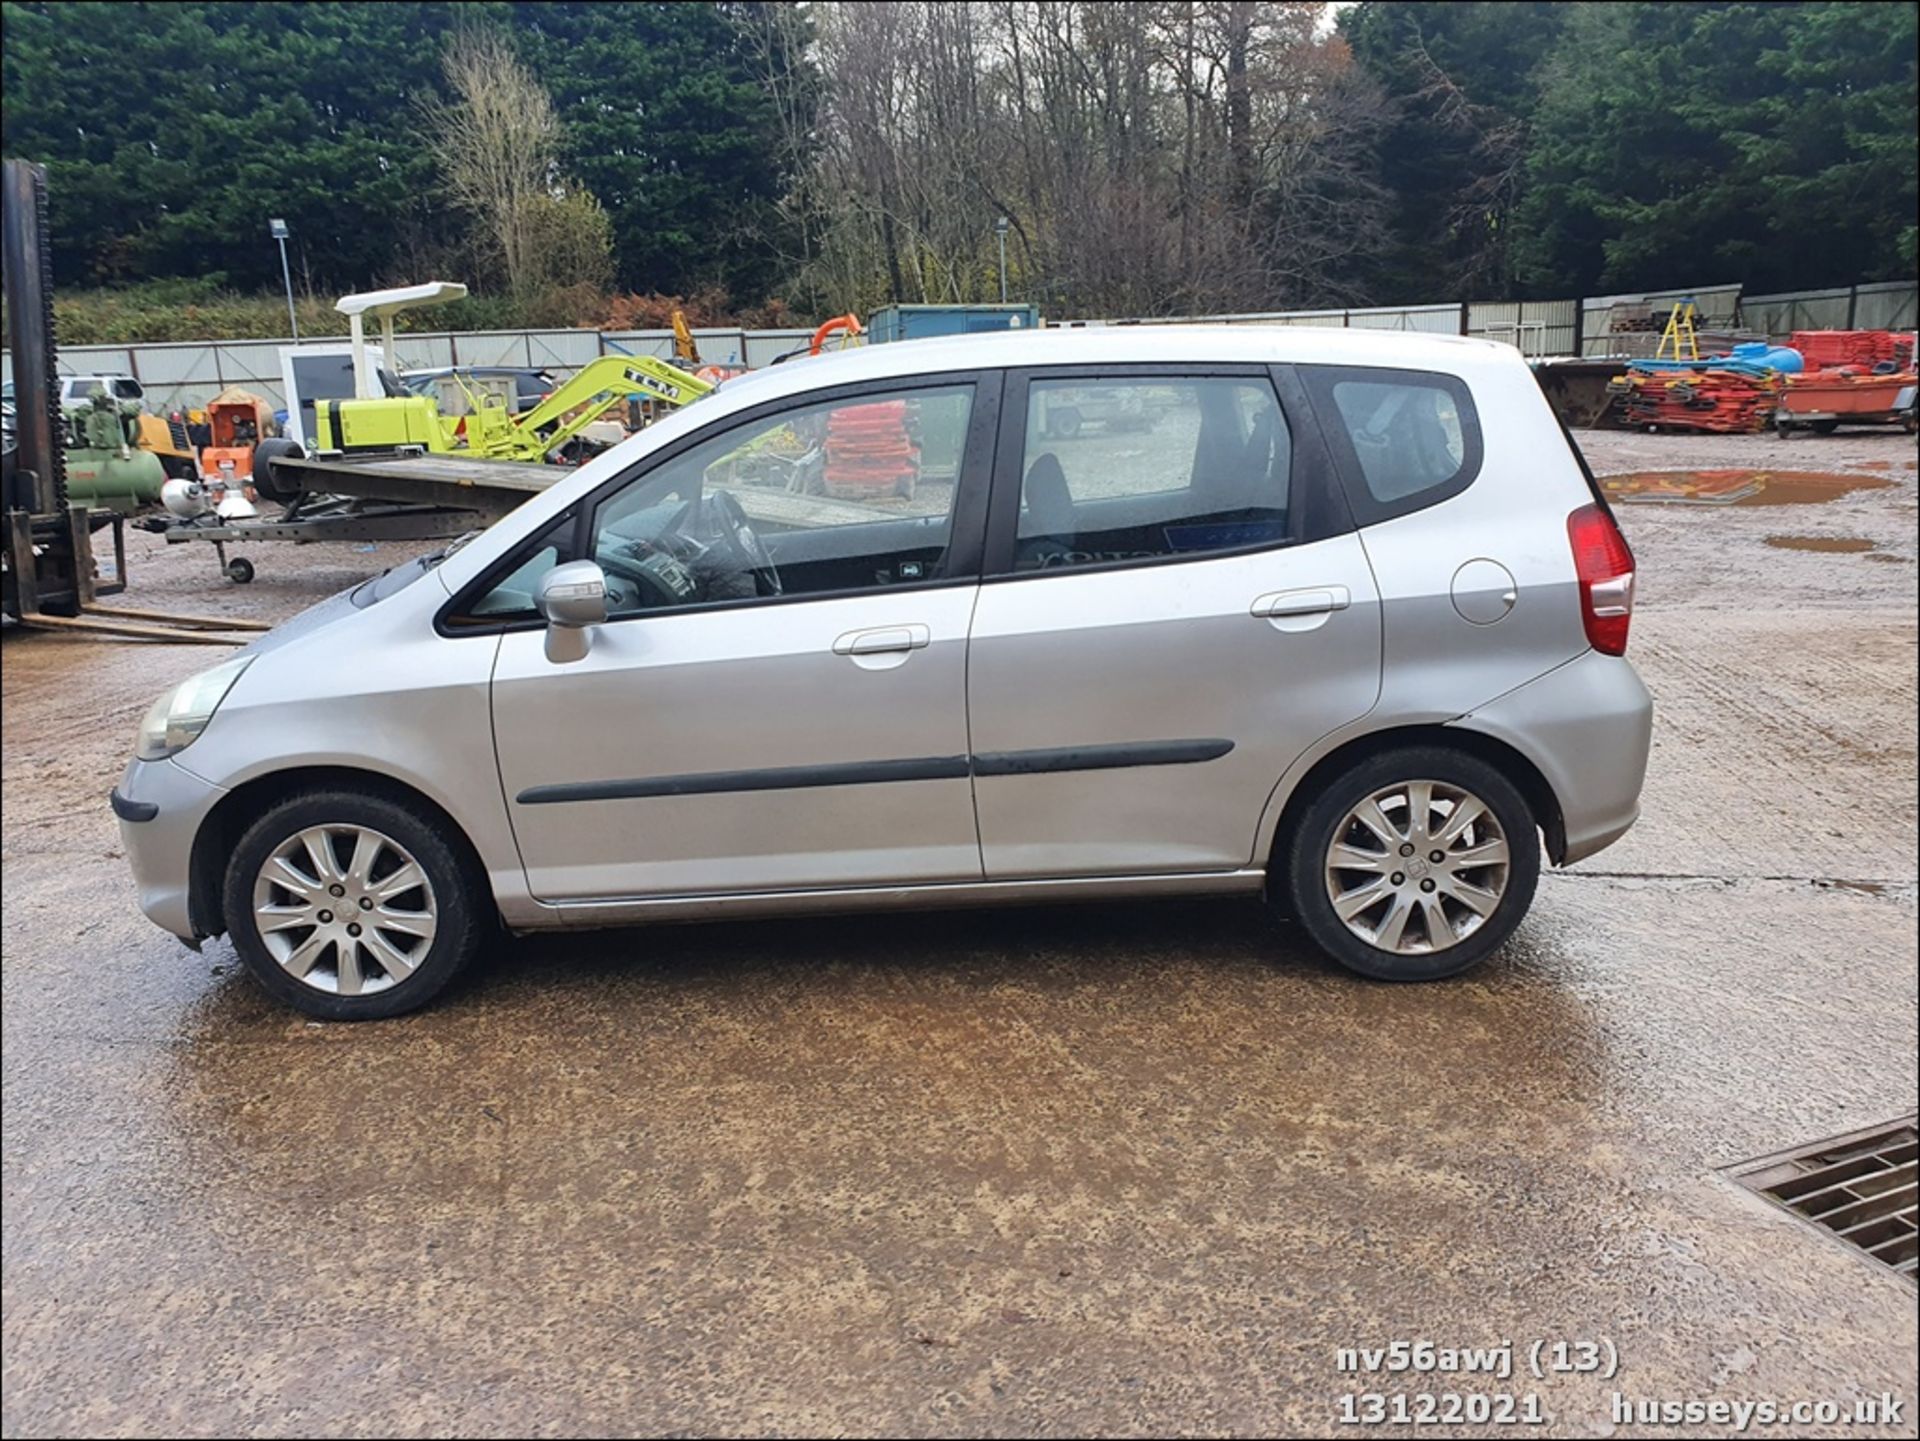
pixel 1604 565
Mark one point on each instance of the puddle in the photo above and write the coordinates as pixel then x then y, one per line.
pixel 1890 558
pixel 1835 544
pixel 1737 487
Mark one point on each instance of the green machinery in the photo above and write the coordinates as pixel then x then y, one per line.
pixel 398 422
pixel 106 467
pixel 491 431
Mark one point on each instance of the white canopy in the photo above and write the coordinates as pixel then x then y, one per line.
pixel 382 303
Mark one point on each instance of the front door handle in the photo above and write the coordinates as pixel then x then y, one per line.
pixel 1315 600
pixel 882 640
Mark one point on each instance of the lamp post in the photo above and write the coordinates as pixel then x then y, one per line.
pixel 1000 229
pixel 278 230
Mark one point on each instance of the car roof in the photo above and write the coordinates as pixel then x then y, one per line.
pixel 1131 344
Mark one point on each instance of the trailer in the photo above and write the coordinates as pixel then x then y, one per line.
pixel 367 498
pixel 1825 400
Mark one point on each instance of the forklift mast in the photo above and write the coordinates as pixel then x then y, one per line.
pixel 40 476
pixel 48 553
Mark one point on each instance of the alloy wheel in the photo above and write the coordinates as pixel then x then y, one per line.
pixel 344 909
pixel 1417 867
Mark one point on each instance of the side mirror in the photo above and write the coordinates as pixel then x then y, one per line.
pixel 571 597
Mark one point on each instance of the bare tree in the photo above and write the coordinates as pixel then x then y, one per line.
pixel 1158 157
pixel 497 143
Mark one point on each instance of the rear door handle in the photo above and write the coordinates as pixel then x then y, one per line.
pixel 1317 600
pixel 882 639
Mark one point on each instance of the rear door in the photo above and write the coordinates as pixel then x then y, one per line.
pixel 1175 608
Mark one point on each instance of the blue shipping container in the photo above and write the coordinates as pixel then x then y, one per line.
pixel 918 322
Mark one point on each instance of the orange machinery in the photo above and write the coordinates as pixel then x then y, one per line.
pixel 237 421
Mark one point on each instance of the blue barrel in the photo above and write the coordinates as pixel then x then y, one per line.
pixel 1774 357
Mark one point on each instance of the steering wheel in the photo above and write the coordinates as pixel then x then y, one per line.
pixel 727 524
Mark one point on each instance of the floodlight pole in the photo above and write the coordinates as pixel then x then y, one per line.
pixel 278 229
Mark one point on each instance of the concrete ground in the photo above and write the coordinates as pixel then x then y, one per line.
pixel 1134 1169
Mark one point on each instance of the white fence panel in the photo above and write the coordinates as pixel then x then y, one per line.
pixel 1427 319
pixel 657 343
pixel 423 352
pixel 1888 305
pixel 492 347
pixel 763 347
pixel 1778 316
pixel 563 350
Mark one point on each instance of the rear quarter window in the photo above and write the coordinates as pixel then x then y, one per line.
pixel 1406 439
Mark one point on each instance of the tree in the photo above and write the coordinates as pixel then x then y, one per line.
pixel 666 124
pixel 172 133
pixel 1772 144
pixel 1159 158
pixel 1464 82
pixel 496 142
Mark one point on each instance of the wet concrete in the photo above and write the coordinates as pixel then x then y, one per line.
pixel 1131 1168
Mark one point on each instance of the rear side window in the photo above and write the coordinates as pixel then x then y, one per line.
pixel 1411 437
pixel 1142 468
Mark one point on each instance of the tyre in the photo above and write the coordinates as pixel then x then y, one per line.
pixel 1413 864
pixel 264 479
pixel 1064 423
pixel 240 570
pixel 352 906
pixel 1823 427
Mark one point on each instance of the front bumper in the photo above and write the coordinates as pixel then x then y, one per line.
pixel 174 803
pixel 1588 726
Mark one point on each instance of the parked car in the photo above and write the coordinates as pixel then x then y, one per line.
pixel 77 390
pixel 1345 627
pixel 520 387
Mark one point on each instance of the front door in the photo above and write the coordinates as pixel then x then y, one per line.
pixel 1175 609
pixel 778 699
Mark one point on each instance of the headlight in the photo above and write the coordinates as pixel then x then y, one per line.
pixel 183 712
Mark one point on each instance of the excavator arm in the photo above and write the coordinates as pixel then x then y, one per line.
pixel 594 390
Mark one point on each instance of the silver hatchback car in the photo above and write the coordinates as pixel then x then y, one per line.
pixel 1340 620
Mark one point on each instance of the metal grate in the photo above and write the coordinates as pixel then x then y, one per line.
pixel 1861 1187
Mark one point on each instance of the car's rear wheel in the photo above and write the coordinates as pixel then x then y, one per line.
pixel 352 906
pixel 1413 864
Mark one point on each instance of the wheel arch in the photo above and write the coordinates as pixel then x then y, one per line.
pixel 220 832
pixel 1511 762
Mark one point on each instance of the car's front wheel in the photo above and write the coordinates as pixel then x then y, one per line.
pixel 352 906
pixel 1413 864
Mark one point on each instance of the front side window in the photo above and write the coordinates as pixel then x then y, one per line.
pixel 1143 468
pixel 836 496
pixel 509 597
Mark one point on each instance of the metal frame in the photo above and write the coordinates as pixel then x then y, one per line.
pixel 314 518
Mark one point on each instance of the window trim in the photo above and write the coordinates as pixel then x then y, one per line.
pixel 965 543
pixel 1369 509
pixel 1003 514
